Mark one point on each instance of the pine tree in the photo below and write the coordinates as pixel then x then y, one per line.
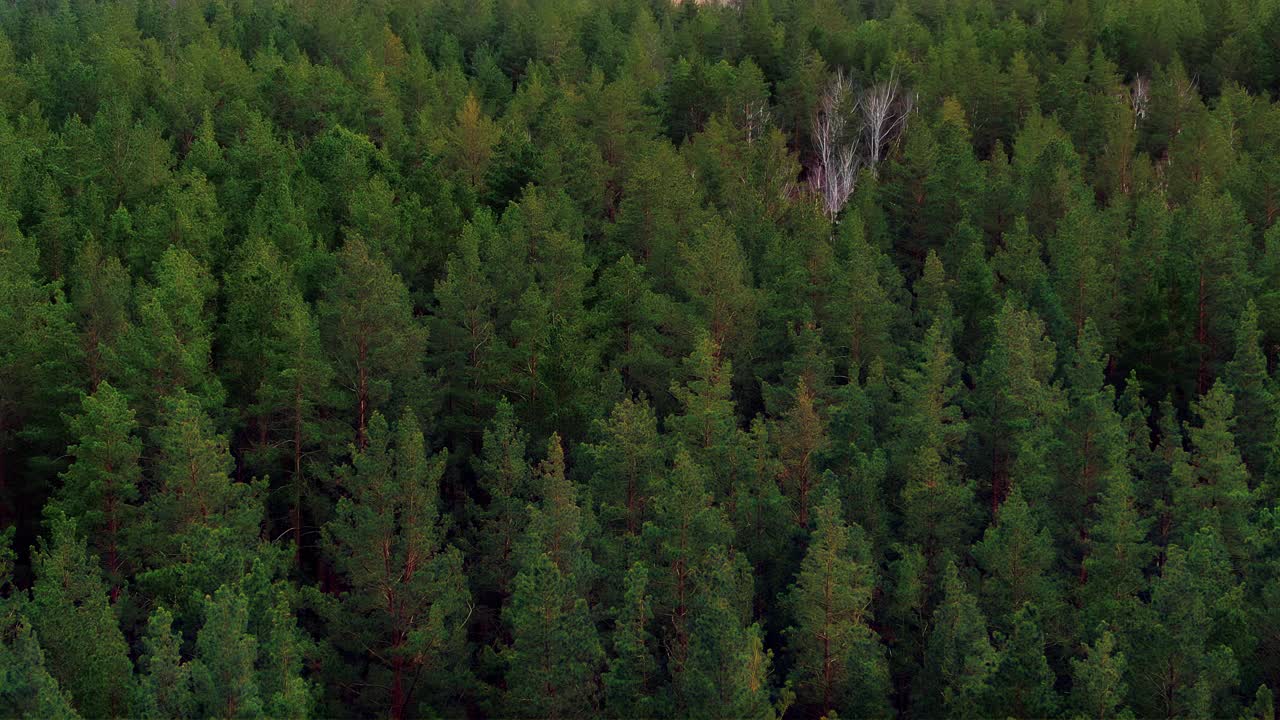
pixel 38 355
pixel 164 685
pixel 1119 554
pixel 27 689
pixel 801 438
pixel 629 684
pixel 70 613
pixel 100 488
pixel 505 477
pixel 291 404
pixel 1188 663
pixel 1083 271
pixel 713 273
pixel 707 425
pixel 1017 555
pixel 405 604
pixel 624 465
pixel 169 344
pixel 369 327
pixel 1025 682
pixel 682 534
pixel 1247 380
pixel 1017 406
pixel 839 662
pixel 959 660
pixel 222 673
pixel 725 670
pixel 1094 437
pixel 463 328
pixel 558 524
pixel 863 313
pixel 1211 486
pixel 200 528
pixel 555 658
pixel 1098 688
pixel 100 296
pixel 937 500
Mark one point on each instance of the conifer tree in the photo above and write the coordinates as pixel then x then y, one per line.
pixel 1024 686
pixel 38 355
pixel 1256 407
pixel 683 532
pixel 100 295
pixel 1184 649
pixel 369 327
pixel 1017 406
pixel 725 670
pixel 1017 555
pixel 1094 438
pixel 960 662
pixel 1211 484
pixel 1114 570
pixel 706 424
pixel 222 673
pixel 506 478
pixel 937 500
pixel 200 528
pixel 463 326
pixel 169 344
pixel 801 438
pixel 1098 687
pixel 100 488
pixel 406 600
pixel 840 664
pixel 164 683
pixel 629 684
pixel 27 689
pixel 625 464
pixel 70 614
pixel 555 658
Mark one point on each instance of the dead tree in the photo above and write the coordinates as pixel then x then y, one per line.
pixel 852 130
pixel 1139 98
pixel 884 114
pixel 836 140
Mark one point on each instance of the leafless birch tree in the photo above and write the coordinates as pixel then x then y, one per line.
pixel 884 109
pixel 851 130
pixel 1139 98
pixel 836 140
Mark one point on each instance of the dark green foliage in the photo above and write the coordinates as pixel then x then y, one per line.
pixel 752 358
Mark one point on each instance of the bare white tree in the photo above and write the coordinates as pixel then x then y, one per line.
pixel 852 130
pixel 836 140
pixel 1139 98
pixel 884 115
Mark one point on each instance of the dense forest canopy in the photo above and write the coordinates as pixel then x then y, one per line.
pixel 636 358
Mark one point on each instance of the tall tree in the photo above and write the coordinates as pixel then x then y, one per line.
pixel 1017 405
pixel 960 662
pixel 1211 484
pixel 370 328
pixel 839 662
pixel 100 488
pixel 629 684
pixel 164 683
pixel 1257 407
pixel 78 631
pixel 403 611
